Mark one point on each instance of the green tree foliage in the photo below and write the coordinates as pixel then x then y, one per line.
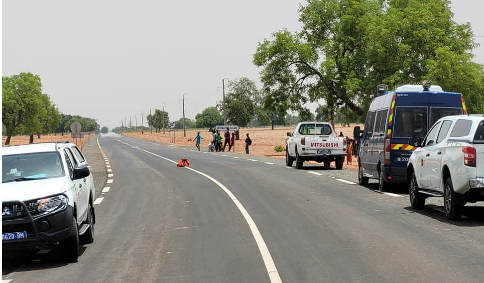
pixel 347 47
pixel 241 102
pixel 210 117
pixel 104 130
pixel 88 124
pixel 158 120
pixel 189 124
pixel 306 115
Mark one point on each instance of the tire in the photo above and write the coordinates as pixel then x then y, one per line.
pixel 382 185
pixel 362 180
pixel 70 246
pixel 417 199
pixel 327 164
pixel 88 237
pixel 289 159
pixel 453 211
pixel 299 162
pixel 339 162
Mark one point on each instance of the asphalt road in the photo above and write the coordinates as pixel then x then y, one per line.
pixel 160 223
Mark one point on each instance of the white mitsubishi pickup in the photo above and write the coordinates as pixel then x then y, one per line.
pixel 449 164
pixel 315 141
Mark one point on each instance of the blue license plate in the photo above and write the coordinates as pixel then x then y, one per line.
pixel 14 236
pixel 324 151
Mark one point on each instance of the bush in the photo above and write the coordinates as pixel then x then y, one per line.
pixel 279 148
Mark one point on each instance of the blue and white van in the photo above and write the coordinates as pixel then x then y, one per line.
pixel 393 118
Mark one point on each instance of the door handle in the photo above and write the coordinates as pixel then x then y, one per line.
pixel 80 185
pixel 439 153
pixel 428 154
pixel 84 180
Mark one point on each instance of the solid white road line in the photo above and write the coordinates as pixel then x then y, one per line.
pixel 347 182
pixel 315 173
pixel 110 175
pixel 106 189
pixel 110 181
pixel 269 163
pixel 266 255
pixel 98 201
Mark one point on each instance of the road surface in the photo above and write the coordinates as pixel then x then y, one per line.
pixel 233 218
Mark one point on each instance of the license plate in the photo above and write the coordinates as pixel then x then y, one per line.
pixel 324 151
pixel 14 236
pixel 403 159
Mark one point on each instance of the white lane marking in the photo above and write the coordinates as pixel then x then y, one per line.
pixel 388 194
pixel 6 281
pixel 106 189
pixel 110 170
pixel 108 166
pixel 315 173
pixel 98 201
pixel 266 255
pixel 107 163
pixel 347 182
pixel 269 163
pixel 224 155
pixel 110 175
pixel 236 157
pixel 252 160
pixel 110 181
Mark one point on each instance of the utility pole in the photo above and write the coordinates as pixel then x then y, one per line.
pixel 183 104
pixel 135 123
pixel 122 126
pixel 130 124
pixel 151 127
pixel 125 124
pixel 142 122
pixel 223 101
pixel 163 115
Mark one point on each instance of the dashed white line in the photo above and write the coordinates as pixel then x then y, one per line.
pixel 235 157
pixel 110 181
pixel 110 175
pixel 347 182
pixel 98 201
pixel 252 160
pixel 107 163
pixel 110 170
pixel 106 189
pixel 269 163
pixel 315 173
pixel 224 155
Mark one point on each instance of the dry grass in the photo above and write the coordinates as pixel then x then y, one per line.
pixel 18 140
pixel 264 140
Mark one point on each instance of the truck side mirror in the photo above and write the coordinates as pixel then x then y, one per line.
pixel 356 132
pixel 415 142
pixel 289 134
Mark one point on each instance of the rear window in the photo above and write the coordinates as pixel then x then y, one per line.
pixel 410 122
pixel 479 136
pixel 315 129
pixel 439 112
pixel 462 128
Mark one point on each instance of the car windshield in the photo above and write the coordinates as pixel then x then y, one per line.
pixel 410 122
pixel 439 112
pixel 32 166
pixel 315 129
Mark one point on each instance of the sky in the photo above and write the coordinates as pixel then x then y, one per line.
pixel 111 60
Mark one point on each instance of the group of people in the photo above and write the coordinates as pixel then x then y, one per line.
pixel 216 143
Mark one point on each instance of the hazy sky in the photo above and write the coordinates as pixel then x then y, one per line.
pixel 110 60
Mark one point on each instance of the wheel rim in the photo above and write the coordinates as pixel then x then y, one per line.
pixel 447 199
pixel 380 183
pixel 360 174
pixel 412 190
pixel 91 221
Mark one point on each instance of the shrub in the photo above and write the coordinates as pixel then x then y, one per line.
pixel 279 148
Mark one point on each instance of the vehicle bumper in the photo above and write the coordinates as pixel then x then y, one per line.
pixel 41 231
pixel 395 175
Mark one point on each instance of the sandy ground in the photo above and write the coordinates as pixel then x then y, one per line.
pixel 17 140
pixel 264 140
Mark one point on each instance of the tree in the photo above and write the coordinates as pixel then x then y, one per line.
pixel 306 115
pixel 242 101
pixel 158 120
pixel 347 47
pixel 210 117
pixel 189 124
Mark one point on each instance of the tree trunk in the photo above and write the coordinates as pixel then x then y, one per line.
pixel 38 136
pixel 330 102
pixel 31 139
pixel 7 141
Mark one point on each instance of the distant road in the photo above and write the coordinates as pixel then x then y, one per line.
pixel 160 223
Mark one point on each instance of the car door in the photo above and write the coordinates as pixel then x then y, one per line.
pixel 80 185
pixel 434 160
pixel 89 182
pixel 428 151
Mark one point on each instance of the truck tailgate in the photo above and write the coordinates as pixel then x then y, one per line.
pixel 318 143
pixel 479 159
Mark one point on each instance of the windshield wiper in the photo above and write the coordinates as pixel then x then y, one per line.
pixel 23 179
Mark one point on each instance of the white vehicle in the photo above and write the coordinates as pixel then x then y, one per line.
pixel 47 198
pixel 450 164
pixel 315 141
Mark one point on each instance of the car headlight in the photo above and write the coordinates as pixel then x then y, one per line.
pixel 52 203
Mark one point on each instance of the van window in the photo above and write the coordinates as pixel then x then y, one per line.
pixel 439 112
pixel 479 137
pixel 410 122
pixel 380 121
pixel 370 122
pixel 444 130
pixel 461 128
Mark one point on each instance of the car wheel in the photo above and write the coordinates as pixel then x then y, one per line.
pixel 289 159
pixel 88 237
pixel 417 199
pixel 299 161
pixel 70 246
pixel 382 184
pixel 327 164
pixel 362 180
pixel 339 162
pixel 453 211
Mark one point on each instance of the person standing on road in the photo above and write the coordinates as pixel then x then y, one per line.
pixel 219 141
pixel 349 152
pixel 214 139
pixel 248 142
pixel 198 139
pixel 227 139
pixel 232 142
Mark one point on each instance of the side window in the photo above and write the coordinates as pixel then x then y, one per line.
pixel 479 136
pixel 370 122
pixel 461 128
pixel 78 154
pixel 70 168
pixel 444 130
pixel 72 157
pixel 380 121
pixel 430 140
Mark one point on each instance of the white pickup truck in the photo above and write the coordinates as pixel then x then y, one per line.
pixel 315 141
pixel 449 164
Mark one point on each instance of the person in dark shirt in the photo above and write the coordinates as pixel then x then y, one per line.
pixel 227 139
pixel 248 142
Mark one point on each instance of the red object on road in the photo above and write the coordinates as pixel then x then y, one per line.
pixel 183 162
